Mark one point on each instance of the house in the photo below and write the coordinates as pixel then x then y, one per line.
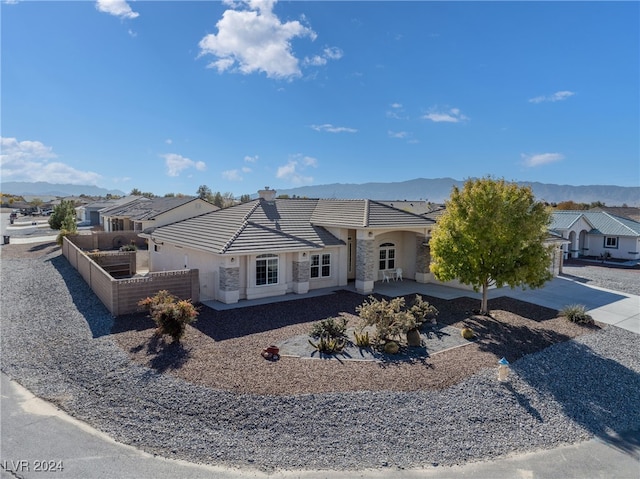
pixel 90 213
pixel 597 233
pixel 143 213
pixel 272 246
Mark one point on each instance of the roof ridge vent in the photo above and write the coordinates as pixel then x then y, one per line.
pixel 245 220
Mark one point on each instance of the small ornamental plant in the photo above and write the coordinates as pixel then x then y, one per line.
pixel 331 327
pixel 467 333
pixel 392 319
pixel 577 313
pixel 170 314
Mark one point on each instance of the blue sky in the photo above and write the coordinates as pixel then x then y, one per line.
pixel 166 96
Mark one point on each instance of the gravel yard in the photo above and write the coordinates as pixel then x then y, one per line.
pixel 195 403
pixel 622 279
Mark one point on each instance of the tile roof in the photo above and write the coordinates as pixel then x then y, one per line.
pixel 281 225
pixel 365 214
pixel 601 222
pixel 145 208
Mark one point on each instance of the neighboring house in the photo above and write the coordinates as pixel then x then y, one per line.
pixel 597 233
pixel 269 246
pixel 91 211
pixel 144 213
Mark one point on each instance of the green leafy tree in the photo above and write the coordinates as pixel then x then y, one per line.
pixel 245 198
pixel 135 192
pixel 218 200
pixel 492 233
pixel 63 214
pixel 204 193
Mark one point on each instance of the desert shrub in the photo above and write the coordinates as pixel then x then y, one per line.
pixel 170 314
pixel 61 235
pixel 388 317
pixel 331 327
pixel 422 311
pixel 576 313
pixel 129 247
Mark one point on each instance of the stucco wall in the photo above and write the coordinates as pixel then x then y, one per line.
pixel 99 240
pixel 121 296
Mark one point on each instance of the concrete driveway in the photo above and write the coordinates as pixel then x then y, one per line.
pixel 606 306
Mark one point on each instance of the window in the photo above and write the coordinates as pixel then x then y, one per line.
pixel 387 256
pixel 610 241
pixel 320 265
pixel 266 269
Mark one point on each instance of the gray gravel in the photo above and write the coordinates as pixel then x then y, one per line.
pixel 55 342
pixel 626 280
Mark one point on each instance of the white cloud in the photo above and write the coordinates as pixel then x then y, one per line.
pixel 232 175
pixel 246 169
pixel 310 161
pixel 177 163
pixel 168 141
pixel 329 53
pixel 328 127
pixel 117 8
pixel 251 159
pixel 540 159
pixel 293 171
pixel 398 134
pixel 29 161
pixel 253 39
pixel 452 115
pixel 557 96
pixel 396 112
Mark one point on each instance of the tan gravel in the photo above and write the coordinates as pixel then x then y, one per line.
pixel 222 349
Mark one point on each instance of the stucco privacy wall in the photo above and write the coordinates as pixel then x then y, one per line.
pixel 105 241
pixel 121 296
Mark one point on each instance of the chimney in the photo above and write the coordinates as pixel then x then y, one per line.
pixel 267 194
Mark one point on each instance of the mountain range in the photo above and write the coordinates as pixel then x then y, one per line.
pixel 436 190
pixel 22 188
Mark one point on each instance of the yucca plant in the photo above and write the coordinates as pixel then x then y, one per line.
pixel 328 345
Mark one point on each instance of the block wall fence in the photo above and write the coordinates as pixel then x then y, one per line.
pixel 121 296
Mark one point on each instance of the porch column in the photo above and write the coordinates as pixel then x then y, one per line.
pixel 229 281
pixel 423 260
pixel 573 251
pixel 301 273
pixel 365 262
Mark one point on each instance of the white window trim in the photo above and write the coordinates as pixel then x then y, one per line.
pixel 387 247
pixel 320 266
pixel 614 246
pixel 266 258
